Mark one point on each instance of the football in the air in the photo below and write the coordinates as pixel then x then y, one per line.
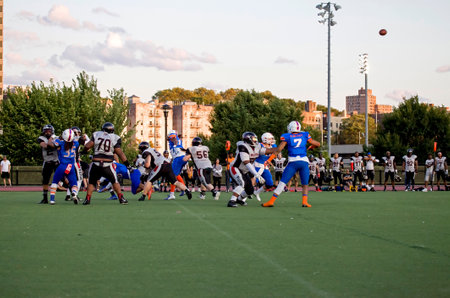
pixel 383 32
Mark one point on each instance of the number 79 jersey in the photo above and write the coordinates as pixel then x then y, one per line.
pixel 200 156
pixel 296 145
pixel 104 144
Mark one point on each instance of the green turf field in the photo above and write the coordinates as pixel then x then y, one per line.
pixel 348 244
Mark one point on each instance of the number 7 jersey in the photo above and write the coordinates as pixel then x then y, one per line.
pixel 200 156
pixel 104 144
pixel 296 145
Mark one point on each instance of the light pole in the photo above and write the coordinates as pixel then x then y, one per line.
pixel 327 17
pixel 166 109
pixel 364 68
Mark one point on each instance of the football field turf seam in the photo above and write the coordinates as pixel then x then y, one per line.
pixel 265 258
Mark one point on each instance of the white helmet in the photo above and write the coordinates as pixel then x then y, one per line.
pixel 172 132
pixel 68 135
pixel 294 126
pixel 267 138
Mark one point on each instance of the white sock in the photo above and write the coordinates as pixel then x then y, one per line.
pixel 260 190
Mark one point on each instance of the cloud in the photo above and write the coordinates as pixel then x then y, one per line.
pixel 27 15
pixel 443 68
pixel 21 36
pixel 105 11
pixel 59 15
pixel 399 95
pixel 54 61
pixel 17 59
pixel 26 77
pixel 282 60
pixel 134 53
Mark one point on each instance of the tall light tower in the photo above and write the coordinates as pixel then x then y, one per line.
pixel 327 17
pixel 364 69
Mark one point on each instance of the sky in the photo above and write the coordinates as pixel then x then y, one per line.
pixel 146 46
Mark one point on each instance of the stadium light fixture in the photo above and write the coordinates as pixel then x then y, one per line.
pixel 327 17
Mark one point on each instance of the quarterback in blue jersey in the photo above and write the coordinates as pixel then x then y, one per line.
pixel 296 142
pixel 262 164
pixel 178 152
pixel 67 149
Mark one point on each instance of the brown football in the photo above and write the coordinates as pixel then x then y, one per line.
pixel 383 32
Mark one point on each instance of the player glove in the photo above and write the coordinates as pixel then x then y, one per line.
pixel 129 167
pixel 260 179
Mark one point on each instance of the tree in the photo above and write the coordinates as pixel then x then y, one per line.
pixel 414 125
pixel 24 113
pixel 248 111
pixel 353 129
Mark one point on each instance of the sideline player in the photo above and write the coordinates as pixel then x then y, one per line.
pixel 67 148
pixel 280 164
pixel 313 171
pixel 178 152
pixel 200 156
pixel 296 141
pixel 357 168
pixel 50 156
pixel 262 165
pixel 161 167
pixel 410 166
pixel 370 167
pixel 390 169
pixel 335 164
pixel 105 143
pixel 441 170
pixel 322 164
pixel 429 172
pixel 242 170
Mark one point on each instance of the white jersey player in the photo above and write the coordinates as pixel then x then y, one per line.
pixel 370 168
pixel 335 164
pixel 441 170
pixel 279 164
pixel 105 144
pixel 322 164
pixel 242 169
pixel 390 169
pixel 200 156
pixel 410 165
pixel 429 172
pixel 357 168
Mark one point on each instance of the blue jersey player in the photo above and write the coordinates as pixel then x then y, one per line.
pixel 122 171
pixel 67 149
pixel 178 152
pixel 296 142
pixel 261 164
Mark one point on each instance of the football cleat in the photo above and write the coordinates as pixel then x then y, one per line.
pixel 202 197
pixel 86 202
pixel 52 202
pixel 68 198
pixel 306 205
pixel 43 201
pixel 75 200
pixel 123 201
pixel 267 204
pixel 113 197
pixel 231 204
pixel 142 198
pixel 170 197
pixel 188 194
pixel 217 195
pixel 258 198
pixel 242 203
pixel 181 193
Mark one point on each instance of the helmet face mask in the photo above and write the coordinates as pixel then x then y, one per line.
pixel 108 127
pixel 250 138
pixel 143 146
pixel 197 141
pixel 48 130
pixel 76 130
pixel 267 138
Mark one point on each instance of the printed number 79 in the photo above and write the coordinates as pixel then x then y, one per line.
pixel 297 142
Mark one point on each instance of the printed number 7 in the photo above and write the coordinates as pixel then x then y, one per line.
pixel 297 142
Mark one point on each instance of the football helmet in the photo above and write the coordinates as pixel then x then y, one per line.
pixel 68 135
pixel 108 127
pixel 397 178
pixel 311 157
pixel 267 138
pixel 48 130
pixel 250 138
pixel 294 126
pixel 144 146
pixel 197 141
pixel 76 130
